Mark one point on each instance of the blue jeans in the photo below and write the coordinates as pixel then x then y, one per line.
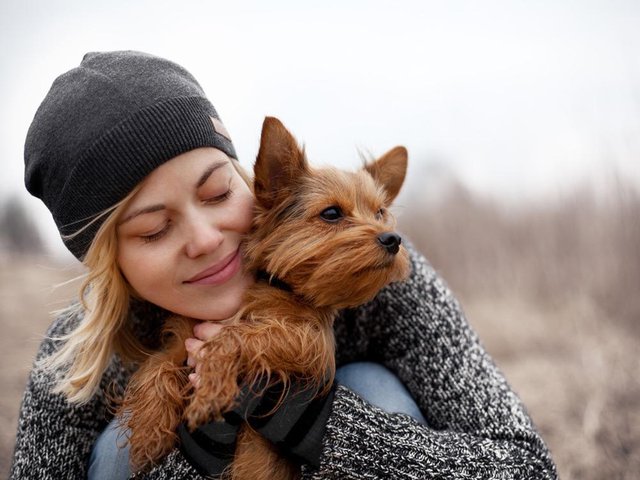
pixel 373 382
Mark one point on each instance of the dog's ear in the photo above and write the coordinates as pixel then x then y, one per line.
pixel 279 163
pixel 389 171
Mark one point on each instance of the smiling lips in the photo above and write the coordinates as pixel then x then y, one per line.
pixel 218 273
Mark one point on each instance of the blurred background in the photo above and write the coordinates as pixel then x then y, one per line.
pixel 522 121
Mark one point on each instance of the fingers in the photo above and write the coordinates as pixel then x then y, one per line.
pixel 202 332
pixel 193 346
pixel 206 330
pixel 194 378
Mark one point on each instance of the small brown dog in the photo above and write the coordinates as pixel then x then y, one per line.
pixel 328 236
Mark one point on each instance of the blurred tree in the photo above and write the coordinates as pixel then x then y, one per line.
pixel 18 232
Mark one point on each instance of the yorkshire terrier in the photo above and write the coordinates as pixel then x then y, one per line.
pixel 327 235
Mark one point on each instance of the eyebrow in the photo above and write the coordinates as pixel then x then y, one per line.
pixel 160 206
pixel 207 173
pixel 149 209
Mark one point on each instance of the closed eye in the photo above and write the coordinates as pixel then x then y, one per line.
pixel 157 235
pixel 218 198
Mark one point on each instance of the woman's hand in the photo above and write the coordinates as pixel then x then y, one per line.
pixel 202 332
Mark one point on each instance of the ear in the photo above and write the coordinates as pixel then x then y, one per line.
pixel 389 171
pixel 280 162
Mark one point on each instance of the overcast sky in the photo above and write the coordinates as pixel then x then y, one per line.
pixel 517 98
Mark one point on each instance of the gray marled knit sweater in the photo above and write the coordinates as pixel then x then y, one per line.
pixel 477 427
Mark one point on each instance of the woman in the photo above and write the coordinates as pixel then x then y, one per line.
pixel 141 179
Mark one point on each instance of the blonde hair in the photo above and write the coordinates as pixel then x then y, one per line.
pixel 104 310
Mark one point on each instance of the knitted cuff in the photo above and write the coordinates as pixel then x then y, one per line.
pixel 210 448
pixel 298 425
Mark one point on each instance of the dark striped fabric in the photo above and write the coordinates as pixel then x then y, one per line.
pixel 210 448
pixel 477 428
pixel 296 427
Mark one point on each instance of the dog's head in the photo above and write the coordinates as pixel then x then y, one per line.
pixel 327 233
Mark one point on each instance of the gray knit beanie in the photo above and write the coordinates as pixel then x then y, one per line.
pixel 104 126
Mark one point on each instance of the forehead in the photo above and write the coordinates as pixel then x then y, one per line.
pixel 351 190
pixel 177 179
pixel 184 170
pixel 185 165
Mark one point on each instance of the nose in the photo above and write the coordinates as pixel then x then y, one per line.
pixel 390 241
pixel 204 238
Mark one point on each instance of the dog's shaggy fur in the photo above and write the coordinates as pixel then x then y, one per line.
pixel 322 233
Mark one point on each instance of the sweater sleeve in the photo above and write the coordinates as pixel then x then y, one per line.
pixel 476 425
pixel 54 438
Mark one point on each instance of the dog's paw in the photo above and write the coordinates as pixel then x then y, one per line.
pixel 198 413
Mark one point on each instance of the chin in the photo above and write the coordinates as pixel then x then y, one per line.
pixel 217 308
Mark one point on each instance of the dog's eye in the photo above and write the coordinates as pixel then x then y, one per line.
pixel 331 214
pixel 380 214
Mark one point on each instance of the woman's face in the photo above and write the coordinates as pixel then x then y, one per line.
pixel 179 237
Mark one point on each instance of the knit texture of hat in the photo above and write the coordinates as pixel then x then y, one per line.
pixel 103 127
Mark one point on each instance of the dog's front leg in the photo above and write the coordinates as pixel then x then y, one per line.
pixel 219 370
pixel 155 398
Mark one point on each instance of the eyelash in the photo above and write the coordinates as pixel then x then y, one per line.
pixel 155 236
pixel 158 235
pixel 219 198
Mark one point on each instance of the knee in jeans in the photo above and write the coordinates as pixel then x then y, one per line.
pixel 379 386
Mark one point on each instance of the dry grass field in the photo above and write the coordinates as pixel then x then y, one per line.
pixel 553 289
pixel 26 298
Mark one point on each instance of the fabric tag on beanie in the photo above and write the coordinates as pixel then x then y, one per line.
pixel 220 128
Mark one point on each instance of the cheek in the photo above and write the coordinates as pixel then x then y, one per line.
pixel 243 210
pixel 145 272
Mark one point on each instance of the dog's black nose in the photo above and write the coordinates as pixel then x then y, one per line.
pixel 390 241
